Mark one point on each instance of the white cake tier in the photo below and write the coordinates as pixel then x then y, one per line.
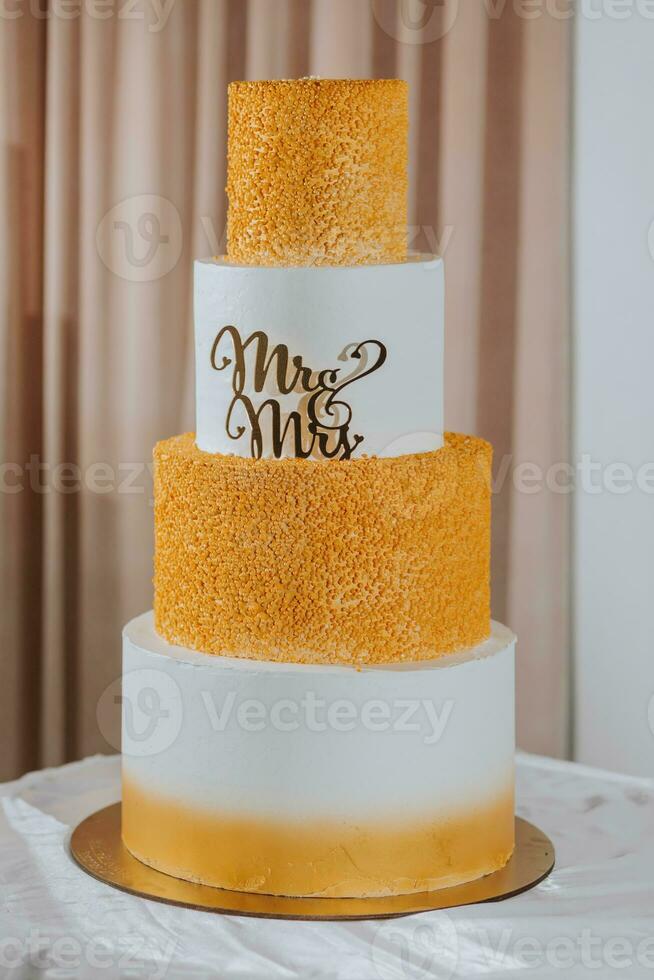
pixel 319 361
pixel 303 779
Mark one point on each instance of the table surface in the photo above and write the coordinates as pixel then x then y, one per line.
pixel 593 917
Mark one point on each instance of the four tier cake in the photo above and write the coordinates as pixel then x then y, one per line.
pixel 321 634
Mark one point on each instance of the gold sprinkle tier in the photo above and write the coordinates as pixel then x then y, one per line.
pixel 317 172
pixel 356 562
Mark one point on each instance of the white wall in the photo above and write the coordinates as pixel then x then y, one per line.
pixel 613 183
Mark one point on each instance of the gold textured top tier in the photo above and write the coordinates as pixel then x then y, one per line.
pixel 317 172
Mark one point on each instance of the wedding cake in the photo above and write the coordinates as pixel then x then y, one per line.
pixel 335 704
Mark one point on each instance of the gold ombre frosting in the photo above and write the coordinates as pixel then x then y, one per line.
pixel 317 172
pixel 356 561
pixel 328 857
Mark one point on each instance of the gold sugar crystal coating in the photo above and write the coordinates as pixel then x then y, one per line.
pixel 357 561
pixel 317 172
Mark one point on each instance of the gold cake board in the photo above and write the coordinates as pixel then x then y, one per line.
pixel 97 847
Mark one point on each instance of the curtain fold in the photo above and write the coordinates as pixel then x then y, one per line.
pixel 22 125
pixel 112 178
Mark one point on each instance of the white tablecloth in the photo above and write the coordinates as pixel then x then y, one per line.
pixel 593 917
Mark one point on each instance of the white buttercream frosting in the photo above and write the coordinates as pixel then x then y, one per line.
pixel 364 346
pixel 282 740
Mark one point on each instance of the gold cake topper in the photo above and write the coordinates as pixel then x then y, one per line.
pixel 319 423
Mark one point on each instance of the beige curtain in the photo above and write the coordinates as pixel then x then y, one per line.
pixel 112 170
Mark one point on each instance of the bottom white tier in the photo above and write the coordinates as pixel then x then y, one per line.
pixel 295 779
